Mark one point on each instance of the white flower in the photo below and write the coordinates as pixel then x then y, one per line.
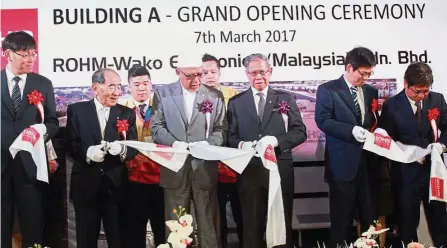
pixel 163 246
pixel 179 240
pixel 173 225
pixel 186 220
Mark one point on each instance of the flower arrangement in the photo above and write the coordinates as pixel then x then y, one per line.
pixel 368 239
pixel 180 229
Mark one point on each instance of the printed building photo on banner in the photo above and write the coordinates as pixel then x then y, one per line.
pixel 304 91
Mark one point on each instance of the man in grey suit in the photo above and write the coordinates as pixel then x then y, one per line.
pixel 177 121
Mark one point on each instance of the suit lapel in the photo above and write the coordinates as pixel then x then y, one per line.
pixel 345 94
pixel 200 97
pixel 6 97
pixel 110 130
pixel 407 111
pixel 426 105
pixel 249 102
pixel 177 96
pixel 29 85
pixel 367 101
pixel 91 114
pixel 271 101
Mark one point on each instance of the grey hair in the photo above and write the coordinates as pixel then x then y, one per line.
pixel 98 76
pixel 255 56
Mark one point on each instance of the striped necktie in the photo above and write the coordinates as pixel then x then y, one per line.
pixel 16 96
pixel 354 91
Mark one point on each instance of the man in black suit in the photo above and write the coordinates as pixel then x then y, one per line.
pixel 99 170
pixel 19 183
pixel 253 116
pixel 405 118
pixel 344 113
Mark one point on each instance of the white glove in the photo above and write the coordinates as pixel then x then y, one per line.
pixel 246 145
pixel 203 142
pixel 95 153
pixel 41 128
pixel 359 133
pixel 439 147
pixel 115 149
pixel 180 145
pixel 271 140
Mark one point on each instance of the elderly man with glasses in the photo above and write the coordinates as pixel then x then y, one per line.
pixel 178 120
pixel 99 171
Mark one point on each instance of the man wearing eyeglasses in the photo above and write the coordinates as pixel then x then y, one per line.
pixel 405 118
pixel 177 121
pixel 343 112
pixel 19 184
pixel 99 171
pixel 255 119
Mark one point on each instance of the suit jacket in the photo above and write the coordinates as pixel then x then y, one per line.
pixel 335 116
pixel 141 168
pixel 86 177
pixel 28 115
pixel 244 126
pixel 169 123
pixel 399 120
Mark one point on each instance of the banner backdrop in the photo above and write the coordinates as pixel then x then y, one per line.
pixel 306 42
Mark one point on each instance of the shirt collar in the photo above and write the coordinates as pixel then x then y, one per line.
pixel 186 92
pixel 99 106
pixel 255 91
pixel 137 103
pixel 10 75
pixel 348 83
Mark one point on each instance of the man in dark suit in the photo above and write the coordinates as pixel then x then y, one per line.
pixel 19 183
pixel 344 113
pixel 253 115
pixel 405 118
pixel 177 121
pixel 99 170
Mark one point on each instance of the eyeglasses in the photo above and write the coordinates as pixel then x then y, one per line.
pixel 192 76
pixel 28 55
pixel 114 87
pixel 255 73
pixel 365 74
pixel 419 92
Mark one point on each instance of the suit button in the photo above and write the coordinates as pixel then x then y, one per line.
pixel 260 135
pixel 102 171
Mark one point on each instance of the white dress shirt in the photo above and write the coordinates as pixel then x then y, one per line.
pixel 189 98
pixel 257 98
pixel 12 83
pixel 413 105
pixel 103 115
pixel 360 98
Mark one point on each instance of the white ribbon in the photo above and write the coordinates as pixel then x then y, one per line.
pixel 31 141
pixel 207 123
pixel 276 226
pixel 285 118
pixel 236 159
pixel 381 144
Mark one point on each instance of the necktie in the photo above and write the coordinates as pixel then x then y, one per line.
pixel 354 92
pixel 16 97
pixel 261 105
pixel 103 120
pixel 142 107
pixel 418 115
